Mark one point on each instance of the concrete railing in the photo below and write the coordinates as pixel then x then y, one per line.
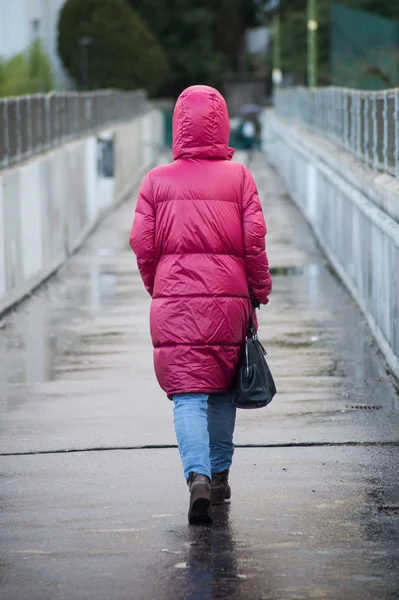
pixel 40 122
pixel 49 204
pixel 364 123
pixel 354 213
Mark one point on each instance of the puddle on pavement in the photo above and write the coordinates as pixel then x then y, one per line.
pixel 366 407
pixel 389 510
pixel 57 331
pixel 311 269
pixel 291 344
pixel 215 563
pixel 41 332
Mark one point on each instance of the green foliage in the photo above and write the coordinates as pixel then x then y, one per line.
pixel 232 18
pixel 202 39
pixel 15 78
pixel 294 40
pixel 40 67
pixel 185 29
pixel 26 73
pixel 122 54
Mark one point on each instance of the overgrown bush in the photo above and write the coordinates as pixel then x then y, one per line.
pixel 26 73
pixel 122 53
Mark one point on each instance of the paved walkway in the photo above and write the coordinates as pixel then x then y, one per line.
pixel 88 514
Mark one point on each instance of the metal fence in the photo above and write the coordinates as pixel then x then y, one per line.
pixel 364 123
pixel 36 123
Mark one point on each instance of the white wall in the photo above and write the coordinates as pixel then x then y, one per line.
pixel 17 19
pixel 354 213
pixel 49 205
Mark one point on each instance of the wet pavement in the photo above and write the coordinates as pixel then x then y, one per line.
pixel 87 513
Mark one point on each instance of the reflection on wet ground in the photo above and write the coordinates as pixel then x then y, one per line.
pixel 305 522
pixel 83 338
pixel 211 560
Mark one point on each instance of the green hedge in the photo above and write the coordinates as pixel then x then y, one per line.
pixel 26 73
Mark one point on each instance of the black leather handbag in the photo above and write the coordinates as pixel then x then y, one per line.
pixel 255 385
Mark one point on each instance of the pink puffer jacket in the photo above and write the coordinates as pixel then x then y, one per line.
pixel 199 238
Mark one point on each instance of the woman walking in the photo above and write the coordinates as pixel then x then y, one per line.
pixel 199 238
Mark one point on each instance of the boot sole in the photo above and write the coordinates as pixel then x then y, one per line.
pixel 199 511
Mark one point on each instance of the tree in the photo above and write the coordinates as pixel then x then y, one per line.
pixel 185 29
pixel 294 39
pixel 232 18
pixel 122 54
pixel 202 39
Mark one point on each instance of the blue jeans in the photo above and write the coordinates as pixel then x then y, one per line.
pixel 204 426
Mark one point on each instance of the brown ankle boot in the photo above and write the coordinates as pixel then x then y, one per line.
pixel 200 498
pixel 220 489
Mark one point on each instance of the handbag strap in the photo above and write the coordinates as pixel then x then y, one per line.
pixel 251 328
pixel 254 335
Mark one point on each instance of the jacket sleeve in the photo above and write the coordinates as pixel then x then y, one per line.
pixel 142 236
pixel 254 233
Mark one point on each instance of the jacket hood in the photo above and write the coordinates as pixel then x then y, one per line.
pixel 201 126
